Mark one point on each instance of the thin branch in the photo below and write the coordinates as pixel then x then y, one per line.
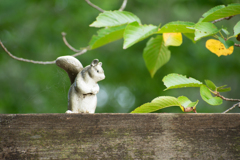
pixel 25 60
pixel 237 45
pixel 232 107
pixel 94 6
pixel 218 20
pixel 123 5
pixel 78 52
pixel 227 99
pixel 67 44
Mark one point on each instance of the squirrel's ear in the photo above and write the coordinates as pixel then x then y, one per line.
pixel 94 62
pixel 100 64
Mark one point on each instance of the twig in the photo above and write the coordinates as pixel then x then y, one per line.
pixel 232 107
pixel 94 6
pixel 78 52
pixel 218 20
pixel 25 60
pixel 67 44
pixel 227 99
pixel 123 5
pixel 237 45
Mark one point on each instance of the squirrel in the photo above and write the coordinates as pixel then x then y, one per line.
pixel 82 93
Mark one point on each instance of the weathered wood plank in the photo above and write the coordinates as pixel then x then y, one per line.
pixel 120 136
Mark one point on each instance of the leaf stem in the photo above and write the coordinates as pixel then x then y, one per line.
pixel 230 37
pixel 215 36
pixel 221 34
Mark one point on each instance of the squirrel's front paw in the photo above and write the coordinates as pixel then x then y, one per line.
pixel 95 91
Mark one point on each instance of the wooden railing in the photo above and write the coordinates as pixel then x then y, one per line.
pixel 119 136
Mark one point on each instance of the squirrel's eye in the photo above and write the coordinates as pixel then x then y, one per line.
pixel 97 70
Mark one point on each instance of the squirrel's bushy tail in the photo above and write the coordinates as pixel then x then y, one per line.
pixel 71 65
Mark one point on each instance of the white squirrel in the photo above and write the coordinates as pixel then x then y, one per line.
pixel 82 93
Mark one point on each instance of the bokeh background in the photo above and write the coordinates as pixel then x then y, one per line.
pixel 32 29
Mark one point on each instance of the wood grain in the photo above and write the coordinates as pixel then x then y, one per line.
pixel 119 136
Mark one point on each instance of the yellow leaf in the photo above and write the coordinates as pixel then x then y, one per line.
pixel 172 39
pixel 218 48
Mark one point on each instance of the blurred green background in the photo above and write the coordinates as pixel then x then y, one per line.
pixel 32 29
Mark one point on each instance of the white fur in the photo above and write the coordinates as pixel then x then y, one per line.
pixel 82 93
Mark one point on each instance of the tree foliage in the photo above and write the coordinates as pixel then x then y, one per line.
pixel 135 32
pixel 174 80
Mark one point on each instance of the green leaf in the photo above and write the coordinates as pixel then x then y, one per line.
pixel 147 108
pixel 174 80
pixel 204 29
pixel 114 18
pixel 236 29
pixel 106 35
pixel 166 101
pixel 186 103
pixel 225 31
pixel 190 36
pixel 156 104
pixel 135 32
pixel 207 96
pixel 220 12
pixel 155 54
pixel 177 26
pixel 211 85
pixel 223 89
pixel 211 11
pixel 227 43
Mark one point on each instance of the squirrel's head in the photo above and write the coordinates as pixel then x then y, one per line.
pixel 96 70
